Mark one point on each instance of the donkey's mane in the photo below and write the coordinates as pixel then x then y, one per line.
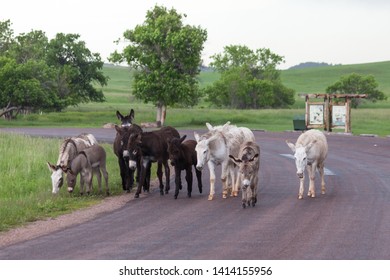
pixel 65 144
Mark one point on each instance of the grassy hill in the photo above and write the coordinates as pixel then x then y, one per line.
pixel 316 80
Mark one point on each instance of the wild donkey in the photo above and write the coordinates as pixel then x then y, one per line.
pixel 151 147
pixel 120 148
pixel 248 172
pixel 310 152
pixel 183 156
pixel 69 149
pixel 91 159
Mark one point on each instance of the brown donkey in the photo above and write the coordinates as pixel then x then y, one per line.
pixel 91 159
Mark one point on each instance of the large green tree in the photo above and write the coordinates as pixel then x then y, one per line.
pixel 249 79
pixel 166 54
pixel 357 84
pixel 41 74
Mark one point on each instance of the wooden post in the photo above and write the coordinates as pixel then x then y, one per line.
pixel 327 113
pixel 348 115
pixel 307 117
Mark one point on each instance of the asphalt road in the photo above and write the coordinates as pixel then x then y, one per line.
pixel 351 221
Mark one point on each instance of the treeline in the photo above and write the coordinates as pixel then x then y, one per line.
pixel 46 75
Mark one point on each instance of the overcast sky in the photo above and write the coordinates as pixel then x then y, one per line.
pixel 332 31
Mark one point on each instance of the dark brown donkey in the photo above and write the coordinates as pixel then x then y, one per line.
pixel 183 156
pixel 152 147
pixel 121 151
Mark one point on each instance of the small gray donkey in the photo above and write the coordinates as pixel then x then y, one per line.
pixel 90 160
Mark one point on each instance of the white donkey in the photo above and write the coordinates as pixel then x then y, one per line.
pixel 310 151
pixel 69 149
pixel 235 137
pixel 214 148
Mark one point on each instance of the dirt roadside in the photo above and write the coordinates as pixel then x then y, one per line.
pixel 43 227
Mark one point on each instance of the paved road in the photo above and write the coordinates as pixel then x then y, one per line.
pixel 351 221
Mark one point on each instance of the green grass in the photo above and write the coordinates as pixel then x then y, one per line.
pixel 316 80
pixel 25 183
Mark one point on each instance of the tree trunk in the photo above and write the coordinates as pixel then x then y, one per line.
pixel 161 114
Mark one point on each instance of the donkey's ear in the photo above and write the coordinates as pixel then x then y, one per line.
pixel 291 145
pixel 118 129
pixel 182 138
pixel 254 157
pixel 209 126
pixel 131 115
pixel 235 160
pixel 197 137
pixel 51 167
pixel 119 115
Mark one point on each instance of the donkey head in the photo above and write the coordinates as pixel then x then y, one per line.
pixel 126 120
pixel 247 169
pixel 300 155
pixel 56 177
pixel 134 149
pixel 175 150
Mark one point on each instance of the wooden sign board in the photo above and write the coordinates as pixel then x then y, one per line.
pixel 329 113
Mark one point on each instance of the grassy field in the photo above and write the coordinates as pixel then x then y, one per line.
pixel 25 185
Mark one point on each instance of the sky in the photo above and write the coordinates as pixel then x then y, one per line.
pixel 331 31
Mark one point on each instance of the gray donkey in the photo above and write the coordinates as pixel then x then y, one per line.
pixel 91 159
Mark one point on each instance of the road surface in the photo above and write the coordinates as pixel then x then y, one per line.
pixel 351 221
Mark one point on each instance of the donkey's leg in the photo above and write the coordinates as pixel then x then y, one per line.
pixel 199 179
pixel 159 175
pixel 237 183
pixel 189 180
pixel 82 183
pixel 177 181
pixel 144 165
pixel 212 179
pixel 96 170
pixel 321 170
pixel 312 175
pixel 301 186
pixel 105 175
pixel 123 172
pixel 244 196
pixel 88 179
pixel 167 176
pixel 146 184
pixel 224 178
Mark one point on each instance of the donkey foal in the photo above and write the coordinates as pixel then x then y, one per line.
pixel 91 159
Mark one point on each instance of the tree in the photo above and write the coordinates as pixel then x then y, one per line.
pixel 77 69
pixel 167 56
pixel 357 84
pixel 249 79
pixel 38 74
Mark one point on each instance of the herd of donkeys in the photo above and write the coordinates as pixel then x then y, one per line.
pixel 232 147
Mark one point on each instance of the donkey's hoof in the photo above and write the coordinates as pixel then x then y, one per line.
pixel 235 193
pixel 300 196
pixel 211 197
pixel 136 195
pixel 244 205
pixel 224 196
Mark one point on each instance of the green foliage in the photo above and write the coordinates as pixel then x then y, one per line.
pixel 167 55
pixel 357 84
pixel 249 80
pixel 38 74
